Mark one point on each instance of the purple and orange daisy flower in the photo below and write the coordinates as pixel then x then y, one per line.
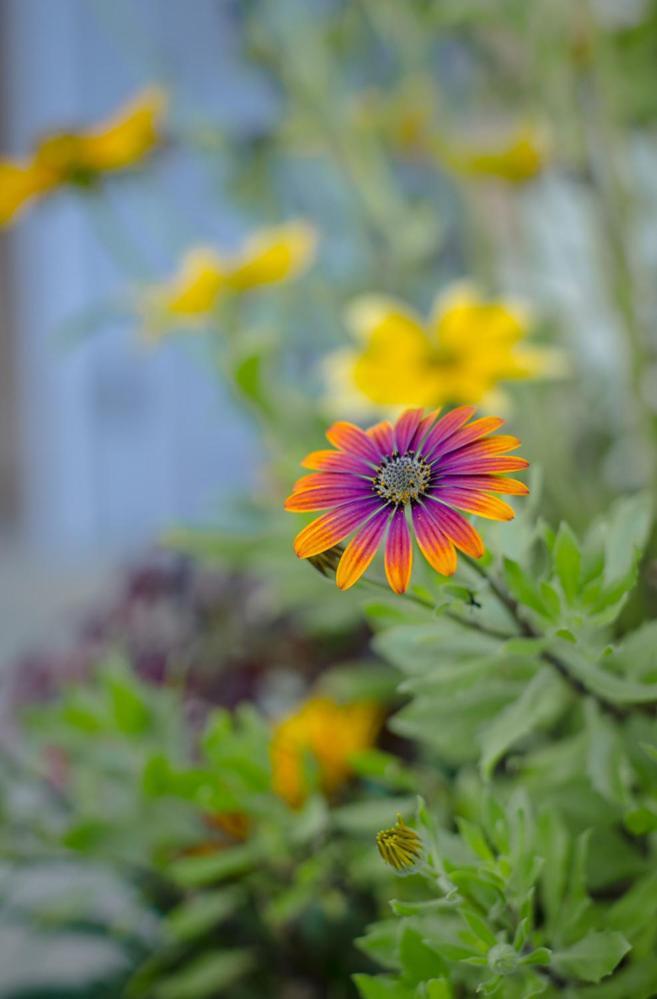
pixel 434 467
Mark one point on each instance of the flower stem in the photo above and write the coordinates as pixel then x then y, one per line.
pixel 528 630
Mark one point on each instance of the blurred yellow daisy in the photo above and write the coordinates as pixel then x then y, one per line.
pixel 461 355
pixel 516 159
pixel 205 276
pixel 403 118
pixel 320 736
pixel 65 158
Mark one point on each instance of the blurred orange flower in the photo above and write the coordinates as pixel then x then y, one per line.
pixel 79 158
pixel 323 734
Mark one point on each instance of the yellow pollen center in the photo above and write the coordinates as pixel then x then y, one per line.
pixel 402 478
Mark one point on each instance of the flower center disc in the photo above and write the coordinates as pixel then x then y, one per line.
pixel 402 478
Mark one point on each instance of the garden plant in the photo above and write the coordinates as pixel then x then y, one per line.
pixel 439 325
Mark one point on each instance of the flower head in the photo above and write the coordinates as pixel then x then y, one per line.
pixel 205 276
pixel 79 158
pixel 400 847
pixel 430 467
pixel 325 735
pixel 517 159
pixel 468 347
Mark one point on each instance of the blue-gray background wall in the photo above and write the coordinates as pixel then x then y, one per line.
pixel 115 442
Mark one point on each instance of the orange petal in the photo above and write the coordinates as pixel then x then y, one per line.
pixel 489 483
pixel 460 531
pixel 491 445
pixel 333 527
pixel 383 436
pixel 360 551
pixel 399 552
pixel 348 437
pixel 483 465
pixel 478 428
pixel 475 502
pixel 434 543
pixel 406 427
pixel 318 479
pixel 336 461
pixel 446 427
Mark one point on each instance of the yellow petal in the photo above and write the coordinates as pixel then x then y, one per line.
pixel 19 184
pixel 365 315
pixel 465 323
pixel 128 136
pixel 394 366
pixel 191 294
pixel 343 397
pixel 274 255
pixel 325 734
pixel 518 159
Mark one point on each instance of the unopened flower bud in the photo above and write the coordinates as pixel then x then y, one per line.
pixel 400 847
pixel 327 562
pixel 502 959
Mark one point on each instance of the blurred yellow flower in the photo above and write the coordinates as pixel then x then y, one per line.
pixel 204 276
pixel 81 157
pixel 469 346
pixel 517 159
pixel 324 735
pixel 403 118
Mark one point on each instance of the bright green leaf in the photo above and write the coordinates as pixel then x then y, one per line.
pixel 593 957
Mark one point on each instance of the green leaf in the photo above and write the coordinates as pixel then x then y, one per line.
pixel 201 912
pixel 367 817
pixel 567 561
pixel 418 648
pixel 360 682
pixel 194 872
pixel 636 656
pixel 541 700
pixel 437 988
pixel 521 586
pixel 128 703
pixel 637 908
pixel 607 765
pixel 380 987
pixel 479 926
pixel 640 821
pixel 385 768
pixel 425 908
pixel 626 534
pixel 452 724
pixel 475 839
pixel 206 976
pixel 551 600
pixel 636 980
pixel 418 960
pixel 248 375
pixel 542 955
pixel 554 846
pixel 593 957
pixel 608 685
pixel 381 943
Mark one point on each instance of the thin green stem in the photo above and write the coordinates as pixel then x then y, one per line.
pixel 527 630
pixel 465 622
